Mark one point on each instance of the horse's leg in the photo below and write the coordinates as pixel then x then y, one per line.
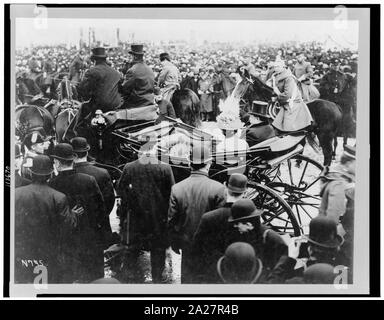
pixel 325 140
pixel 334 148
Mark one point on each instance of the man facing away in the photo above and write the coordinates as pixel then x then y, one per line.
pixel 189 200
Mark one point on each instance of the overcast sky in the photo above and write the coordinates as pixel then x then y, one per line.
pixel 68 30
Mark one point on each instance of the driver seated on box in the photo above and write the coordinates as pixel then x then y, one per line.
pixel 260 128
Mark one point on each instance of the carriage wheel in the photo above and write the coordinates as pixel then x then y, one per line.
pixel 297 180
pixel 277 213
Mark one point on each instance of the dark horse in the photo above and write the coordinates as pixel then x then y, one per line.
pixel 187 107
pixel 327 115
pixel 340 88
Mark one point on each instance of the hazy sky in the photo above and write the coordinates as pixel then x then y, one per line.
pixel 68 30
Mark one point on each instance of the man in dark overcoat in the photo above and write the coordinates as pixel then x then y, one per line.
pixel 138 86
pixel 101 84
pixel 259 129
pixel 43 223
pixel 144 188
pixel 85 198
pixel 190 199
pixel 82 165
pixel 241 223
pixel 76 66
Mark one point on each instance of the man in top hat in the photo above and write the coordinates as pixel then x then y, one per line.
pixel 19 180
pixel 336 181
pixel 322 246
pixel 85 198
pixel 145 187
pixel 43 224
pixel 189 200
pixel 169 77
pixel 240 223
pixel 101 84
pixel 137 88
pixel 82 165
pixel 260 128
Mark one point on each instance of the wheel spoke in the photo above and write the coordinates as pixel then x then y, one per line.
pixel 302 175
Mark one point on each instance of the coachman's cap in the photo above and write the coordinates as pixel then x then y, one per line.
pixel 237 183
pixel 42 166
pixel 239 264
pixel 323 233
pixel 63 151
pixel 137 49
pixel 80 144
pixel 260 109
pixel 98 53
pixel 243 209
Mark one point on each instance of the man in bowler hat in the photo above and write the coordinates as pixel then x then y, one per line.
pixel 100 84
pixel 43 226
pixel 139 82
pixel 145 187
pixel 190 199
pixel 82 165
pixel 85 198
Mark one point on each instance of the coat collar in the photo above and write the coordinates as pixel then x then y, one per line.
pixel 199 173
pixel 82 164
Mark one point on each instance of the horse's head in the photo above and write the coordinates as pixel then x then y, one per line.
pixel 252 88
pixel 187 107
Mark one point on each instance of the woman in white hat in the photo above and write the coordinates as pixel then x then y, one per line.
pixel 294 114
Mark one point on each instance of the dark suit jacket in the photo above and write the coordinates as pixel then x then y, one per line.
pixel 103 180
pixel 257 133
pixel 101 85
pixel 88 239
pixel 138 86
pixel 145 187
pixel 190 199
pixel 215 234
pixel 42 227
pixel 20 181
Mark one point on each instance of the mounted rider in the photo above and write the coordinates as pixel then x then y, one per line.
pixel 138 86
pixel 169 78
pixel 303 71
pixel 100 84
pixel 294 114
pixel 76 67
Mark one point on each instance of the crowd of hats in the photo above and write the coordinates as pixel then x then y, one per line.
pixel 194 60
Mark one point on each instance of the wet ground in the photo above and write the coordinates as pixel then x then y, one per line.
pixel 173 261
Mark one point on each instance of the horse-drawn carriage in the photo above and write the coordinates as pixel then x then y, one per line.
pixel 282 181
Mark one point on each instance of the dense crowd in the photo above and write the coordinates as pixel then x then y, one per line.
pixel 218 232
